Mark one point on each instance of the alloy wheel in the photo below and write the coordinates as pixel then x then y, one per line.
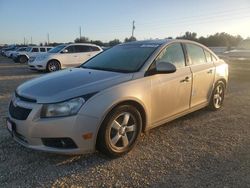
pixel 122 131
pixel 218 96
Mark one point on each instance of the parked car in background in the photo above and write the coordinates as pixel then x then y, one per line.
pixel 108 101
pixel 23 57
pixel 12 52
pixel 241 52
pixel 63 56
pixel 8 48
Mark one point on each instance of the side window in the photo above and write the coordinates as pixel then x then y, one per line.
pixel 208 56
pixel 94 48
pixel 48 49
pixel 213 58
pixel 35 50
pixel 172 54
pixel 42 49
pixel 71 49
pixel 81 48
pixel 196 54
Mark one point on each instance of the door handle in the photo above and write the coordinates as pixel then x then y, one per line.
pixel 187 79
pixel 210 71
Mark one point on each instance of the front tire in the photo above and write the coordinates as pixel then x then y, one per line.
pixel 120 131
pixel 217 97
pixel 23 59
pixel 52 66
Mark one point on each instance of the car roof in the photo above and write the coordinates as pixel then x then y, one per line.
pixel 86 44
pixel 40 46
pixel 158 42
pixel 148 42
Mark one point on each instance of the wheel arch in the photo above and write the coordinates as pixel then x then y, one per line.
pixel 132 102
pixel 223 80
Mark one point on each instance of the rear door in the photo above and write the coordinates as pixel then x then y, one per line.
pixel 203 71
pixel 171 92
pixel 34 51
pixel 83 52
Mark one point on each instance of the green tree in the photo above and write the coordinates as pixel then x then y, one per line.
pixel 81 40
pixel 130 39
pixel 114 42
pixel 97 42
pixel 189 36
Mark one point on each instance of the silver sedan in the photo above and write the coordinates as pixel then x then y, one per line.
pixel 108 101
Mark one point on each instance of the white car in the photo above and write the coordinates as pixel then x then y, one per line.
pixel 16 51
pixel 23 57
pixel 63 56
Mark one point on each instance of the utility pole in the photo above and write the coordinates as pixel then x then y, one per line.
pixel 31 40
pixel 24 40
pixel 48 38
pixel 133 28
pixel 80 30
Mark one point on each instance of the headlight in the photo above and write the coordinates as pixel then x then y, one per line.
pixel 67 108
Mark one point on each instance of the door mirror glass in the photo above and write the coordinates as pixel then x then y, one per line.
pixel 165 67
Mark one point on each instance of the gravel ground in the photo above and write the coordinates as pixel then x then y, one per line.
pixel 202 149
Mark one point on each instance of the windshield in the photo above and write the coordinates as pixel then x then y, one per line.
pixel 121 58
pixel 56 49
pixel 21 49
pixel 28 49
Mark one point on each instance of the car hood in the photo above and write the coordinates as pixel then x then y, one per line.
pixel 69 83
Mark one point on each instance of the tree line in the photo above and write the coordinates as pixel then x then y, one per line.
pixel 217 39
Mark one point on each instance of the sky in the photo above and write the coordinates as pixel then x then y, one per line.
pixel 109 19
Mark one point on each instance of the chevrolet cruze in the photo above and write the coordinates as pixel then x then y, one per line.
pixel 108 101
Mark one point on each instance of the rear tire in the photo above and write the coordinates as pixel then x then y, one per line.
pixel 119 131
pixel 53 66
pixel 217 98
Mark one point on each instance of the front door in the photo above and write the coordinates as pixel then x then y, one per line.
pixel 69 58
pixel 171 92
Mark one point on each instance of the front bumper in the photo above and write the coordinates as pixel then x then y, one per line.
pixel 37 65
pixel 31 131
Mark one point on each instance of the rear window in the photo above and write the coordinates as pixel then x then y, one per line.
pixel 94 48
pixel 213 58
pixel 82 48
pixel 35 50
pixel 208 56
pixel 196 54
pixel 42 49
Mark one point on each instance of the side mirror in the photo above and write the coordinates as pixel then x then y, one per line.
pixel 165 68
pixel 64 51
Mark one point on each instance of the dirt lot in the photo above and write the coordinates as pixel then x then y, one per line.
pixel 203 149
